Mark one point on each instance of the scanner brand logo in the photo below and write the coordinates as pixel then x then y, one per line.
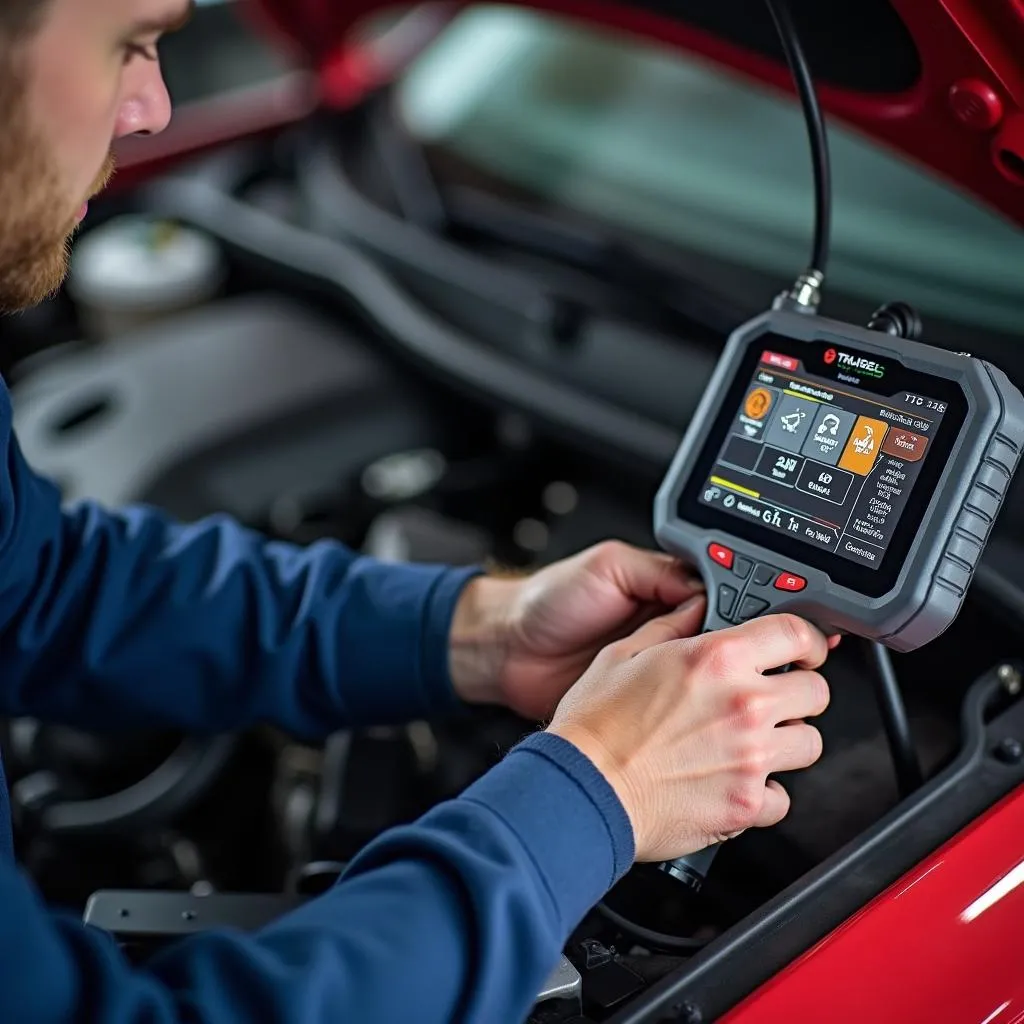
pixel 867 367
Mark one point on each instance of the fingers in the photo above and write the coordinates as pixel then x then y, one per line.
pixel 685 621
pixel 775 806
pixel 778 640
pixel 795 747
pixel 645 576
pixel 798 694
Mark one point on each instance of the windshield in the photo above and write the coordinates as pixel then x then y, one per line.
pixel 666 147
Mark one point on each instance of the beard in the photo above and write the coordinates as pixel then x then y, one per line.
pixel 36 226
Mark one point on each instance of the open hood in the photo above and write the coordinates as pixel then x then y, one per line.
pixel 941 81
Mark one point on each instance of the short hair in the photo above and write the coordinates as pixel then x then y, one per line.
pixel 21 17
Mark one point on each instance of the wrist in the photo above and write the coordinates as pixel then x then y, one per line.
pixel 609 766
pixel 480 639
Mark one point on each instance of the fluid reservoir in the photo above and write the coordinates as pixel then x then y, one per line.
pixel 135 270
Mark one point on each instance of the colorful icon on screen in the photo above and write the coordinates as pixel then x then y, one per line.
pixel 759 401
pixel 863 445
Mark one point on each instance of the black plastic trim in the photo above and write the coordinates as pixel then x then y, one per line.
pixel 133 915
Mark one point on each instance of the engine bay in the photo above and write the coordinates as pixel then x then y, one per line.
pixel 455 395
pixel 384 460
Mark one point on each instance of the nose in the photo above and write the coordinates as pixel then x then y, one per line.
pixel 146 109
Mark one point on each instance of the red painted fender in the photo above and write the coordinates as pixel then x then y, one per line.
pixel 941 945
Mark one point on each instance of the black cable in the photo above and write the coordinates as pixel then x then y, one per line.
pixel 408 171
pixel 167 792
pixel 894 718
pixel 816 131
pixel 649 937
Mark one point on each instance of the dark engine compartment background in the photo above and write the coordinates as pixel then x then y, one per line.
pixel 344 428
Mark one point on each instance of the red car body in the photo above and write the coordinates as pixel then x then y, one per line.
pixel 939 944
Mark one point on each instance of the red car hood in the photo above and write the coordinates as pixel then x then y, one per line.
pixel 942 81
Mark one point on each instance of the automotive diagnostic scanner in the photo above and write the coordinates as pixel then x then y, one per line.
pixel 841 474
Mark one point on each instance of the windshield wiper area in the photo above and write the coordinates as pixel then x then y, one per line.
pixel 472 217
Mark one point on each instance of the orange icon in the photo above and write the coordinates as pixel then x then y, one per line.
pixel 759 401
pixel 863 445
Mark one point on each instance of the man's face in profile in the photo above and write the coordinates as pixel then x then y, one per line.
pixel 85 75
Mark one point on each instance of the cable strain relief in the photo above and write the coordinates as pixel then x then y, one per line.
pixel 805 295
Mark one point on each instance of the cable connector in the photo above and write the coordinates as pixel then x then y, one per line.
pixel 805 295
pixel 897 319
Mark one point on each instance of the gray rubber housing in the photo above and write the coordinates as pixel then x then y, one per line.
pixel 934 578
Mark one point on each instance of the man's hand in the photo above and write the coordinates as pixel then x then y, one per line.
pixel 524 642
pixel 687 731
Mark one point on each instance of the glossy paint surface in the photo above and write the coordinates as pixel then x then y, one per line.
pixel 942 944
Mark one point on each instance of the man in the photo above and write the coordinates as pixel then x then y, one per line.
pixel 657 744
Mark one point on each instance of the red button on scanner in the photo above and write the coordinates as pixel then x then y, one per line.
pixel 721 554
pixel 791 582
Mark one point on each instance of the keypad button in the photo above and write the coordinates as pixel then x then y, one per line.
pixel 721 554
pixel 742 567
pixel 791 582
pixel 764 575
pixel 751 608
pixel 726 600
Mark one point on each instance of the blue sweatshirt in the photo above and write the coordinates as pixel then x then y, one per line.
pixel 123 619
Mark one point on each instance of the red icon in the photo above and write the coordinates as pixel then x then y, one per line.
pixel 830 356
pixel 777 359
pixel 721 555
pixel 789 581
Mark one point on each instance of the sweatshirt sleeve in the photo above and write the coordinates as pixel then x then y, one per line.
pixel 455 919
pixel 116 619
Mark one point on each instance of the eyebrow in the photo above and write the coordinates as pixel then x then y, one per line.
pixel 166 23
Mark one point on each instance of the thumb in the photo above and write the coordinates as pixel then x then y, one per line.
pixel 684 622
pixel 648 577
